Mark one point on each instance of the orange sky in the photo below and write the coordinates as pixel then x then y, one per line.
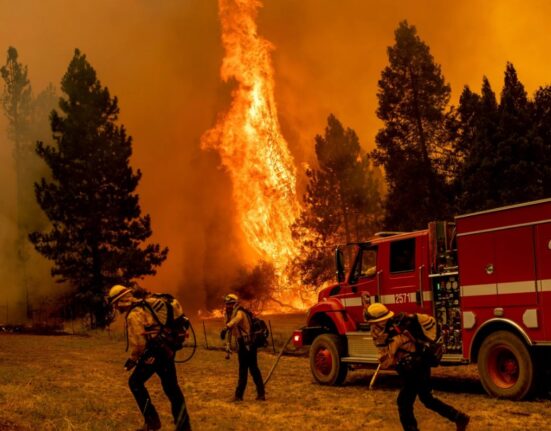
pixel 161 59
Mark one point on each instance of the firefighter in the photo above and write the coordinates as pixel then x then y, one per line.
pixel 238 326
pixel 148 355
pixel 398 350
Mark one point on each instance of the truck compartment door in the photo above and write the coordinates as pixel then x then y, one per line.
pixel 515 266
pixel 477 270
pixel 543 269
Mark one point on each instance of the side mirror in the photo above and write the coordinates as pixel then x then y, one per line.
pixel 339 262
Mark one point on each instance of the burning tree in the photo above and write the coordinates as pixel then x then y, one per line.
pixel 256 285
pixel 97 230
pixel 252 147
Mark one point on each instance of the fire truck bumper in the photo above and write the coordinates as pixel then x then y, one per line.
pixel 306 335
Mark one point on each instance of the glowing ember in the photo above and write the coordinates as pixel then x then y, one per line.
pixel 249 139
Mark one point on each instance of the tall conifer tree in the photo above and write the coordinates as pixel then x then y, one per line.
pixel 97 231
pixel 413 96
pixel 17 104
pixel 503 148
pixel 542 129
pixel 519 155
pixel 478 185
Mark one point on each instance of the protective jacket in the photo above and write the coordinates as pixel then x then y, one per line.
pixel 393 349
pixel 238 324
pixel 137 320
pixel 239 328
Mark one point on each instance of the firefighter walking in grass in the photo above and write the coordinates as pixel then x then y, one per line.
pixel 152 350
pixel 398 349
pixel 239 326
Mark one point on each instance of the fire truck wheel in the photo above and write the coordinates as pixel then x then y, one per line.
pixel 325 360
pixel 506 367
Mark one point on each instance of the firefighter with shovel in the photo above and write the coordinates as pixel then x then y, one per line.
pixel 398 349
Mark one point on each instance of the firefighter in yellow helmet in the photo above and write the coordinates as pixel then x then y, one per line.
pixel 148 356
pixel 398 350
pixel 238 326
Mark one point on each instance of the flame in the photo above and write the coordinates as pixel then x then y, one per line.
pixel 249 139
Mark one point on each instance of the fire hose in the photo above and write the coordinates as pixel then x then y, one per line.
pixel 194 347
pixel 371 383
pixel 276 361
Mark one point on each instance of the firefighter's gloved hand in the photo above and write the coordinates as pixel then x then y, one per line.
pixel 129 364
pixel 223 333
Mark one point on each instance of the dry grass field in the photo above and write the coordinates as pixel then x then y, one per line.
pixel 78 383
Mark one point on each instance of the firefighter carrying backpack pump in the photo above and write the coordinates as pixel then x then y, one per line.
pixel 169 316
pixel 423 330
pixel 259 329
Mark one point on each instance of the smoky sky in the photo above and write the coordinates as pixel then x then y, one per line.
pixel 162 58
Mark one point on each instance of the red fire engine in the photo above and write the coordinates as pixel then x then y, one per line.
pixel 486 278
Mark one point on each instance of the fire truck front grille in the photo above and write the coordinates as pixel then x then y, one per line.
pixel 360 345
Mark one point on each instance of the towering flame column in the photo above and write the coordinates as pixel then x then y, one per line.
pixel 249 140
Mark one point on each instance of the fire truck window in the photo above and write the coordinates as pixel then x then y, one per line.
pixel 369 263
pixel 402 255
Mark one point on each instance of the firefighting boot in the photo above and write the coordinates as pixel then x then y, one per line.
pixel 462 421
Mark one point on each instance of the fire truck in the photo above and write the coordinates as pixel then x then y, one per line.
pixel 486 278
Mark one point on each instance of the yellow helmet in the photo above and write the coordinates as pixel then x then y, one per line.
pixel 117 292
pixel 378 312
pixel 231 298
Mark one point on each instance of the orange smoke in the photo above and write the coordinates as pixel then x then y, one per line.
pixel 249 139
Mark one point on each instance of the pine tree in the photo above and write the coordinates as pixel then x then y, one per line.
pixel 478 119
pixel 542 128
pixel 342 202
pixel 502 147
pixel 413 144
pixel 97 231
pixel 17 101
pixel 518 155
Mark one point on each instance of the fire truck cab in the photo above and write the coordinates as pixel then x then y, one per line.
pixel 486 278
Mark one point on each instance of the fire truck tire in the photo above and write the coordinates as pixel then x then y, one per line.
pixel 506 366
pixel 325 360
